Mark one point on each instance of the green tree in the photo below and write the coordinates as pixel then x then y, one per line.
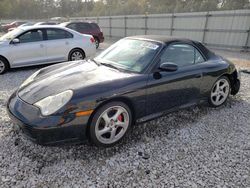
pixel 5 8
pixel 234 4
pixel 31 9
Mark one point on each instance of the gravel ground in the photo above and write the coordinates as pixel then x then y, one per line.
pixel 197 147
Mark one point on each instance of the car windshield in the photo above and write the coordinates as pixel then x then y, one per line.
pixel 26 24
pixel 63 24
pixel 12 23
pixel 11 35
pixel 130 54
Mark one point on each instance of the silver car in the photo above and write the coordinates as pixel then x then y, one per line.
pixel 35 45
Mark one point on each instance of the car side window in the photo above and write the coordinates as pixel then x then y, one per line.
pixel 31 36
pixel 84 26
pixel 198 57
pixel 72 26
pixel 55 34
pixel 94 26
pixel 180 54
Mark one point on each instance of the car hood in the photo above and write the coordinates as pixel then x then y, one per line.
pixel 5 25
pixel 4 43
pixel 68 76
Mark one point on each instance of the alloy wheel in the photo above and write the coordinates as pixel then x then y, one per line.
pixel 220 92
pixel 2 67
pixel 76 56
pixel 112 124
pixel 97 43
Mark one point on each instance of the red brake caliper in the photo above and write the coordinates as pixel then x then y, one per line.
pixel 120 118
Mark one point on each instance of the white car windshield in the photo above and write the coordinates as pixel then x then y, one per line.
pixel 130 54
pixel 11 35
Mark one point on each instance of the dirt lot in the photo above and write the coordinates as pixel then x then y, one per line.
pixel 196 147
pixel 243 64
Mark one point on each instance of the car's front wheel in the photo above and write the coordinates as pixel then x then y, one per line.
pixel 110 124
pixel 220 92
pixel 3 65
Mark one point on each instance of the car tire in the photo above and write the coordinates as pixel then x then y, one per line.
pixel 97 43
pixel 76 54
pixel 220 92
pixel 4 65
pixel 110 124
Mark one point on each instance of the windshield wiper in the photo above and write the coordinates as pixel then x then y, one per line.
pixel 93 60
pixel 110 65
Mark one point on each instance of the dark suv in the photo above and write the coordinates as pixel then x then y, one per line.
pixel 15 24
pixel 86 28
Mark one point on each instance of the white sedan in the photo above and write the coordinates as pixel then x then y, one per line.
pixel 36 45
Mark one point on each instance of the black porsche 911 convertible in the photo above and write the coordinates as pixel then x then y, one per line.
pixel 135 80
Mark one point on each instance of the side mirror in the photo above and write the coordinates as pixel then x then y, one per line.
pixel 15 41
pixel 168 67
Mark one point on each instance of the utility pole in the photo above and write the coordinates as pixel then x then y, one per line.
pixel 85 8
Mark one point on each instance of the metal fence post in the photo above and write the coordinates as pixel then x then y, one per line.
pixel 125 26
pixel 205 27
pixel 210 24
pixel 97 20
pixel 172 24
pixel 246 47
pixel 110 26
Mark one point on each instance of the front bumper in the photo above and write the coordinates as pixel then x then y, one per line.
pixel 49 130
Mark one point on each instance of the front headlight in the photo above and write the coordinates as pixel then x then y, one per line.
pixel 51 104
pixel 30 79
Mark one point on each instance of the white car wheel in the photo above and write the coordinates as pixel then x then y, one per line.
pixel 220 92
pixel 3 65
pixel 110 124
pixel 76 55
pixel 97 43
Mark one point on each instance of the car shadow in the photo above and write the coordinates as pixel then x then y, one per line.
pixel 14 70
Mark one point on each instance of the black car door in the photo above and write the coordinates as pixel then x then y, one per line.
pixel 167 90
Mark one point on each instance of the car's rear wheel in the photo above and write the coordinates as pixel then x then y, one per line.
pixel 4 66
pixel 76 54
pixel 97 43
pixel 110 124
pixel 220 92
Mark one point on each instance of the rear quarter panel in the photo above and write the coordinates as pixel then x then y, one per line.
pixel 212 71
pixel 83 42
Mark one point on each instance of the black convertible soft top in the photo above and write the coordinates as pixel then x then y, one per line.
pixel 170 39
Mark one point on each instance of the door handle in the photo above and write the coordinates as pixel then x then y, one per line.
pixel 41 45
pixel 67 43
